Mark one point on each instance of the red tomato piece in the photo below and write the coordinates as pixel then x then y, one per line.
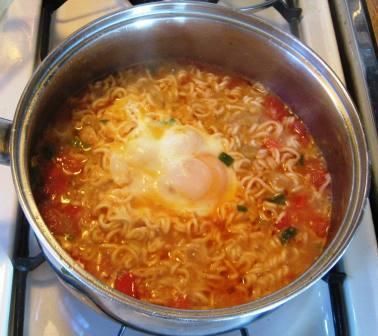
pixel 275 108
pixel 61 219
pixel 318 174
pixel 304 216
pixel 320 226
pixel 301 213
pixel 72 211
pixel 318 178
pixel 181 302
pixel 271 143
pixel 313 165
pixel 185 79
pixel 235 82
pixel 56 182
pixel 299 128
pixel 69 163
pixel 284 222
pixel 298 200
pixel 127 285
pixel 51 216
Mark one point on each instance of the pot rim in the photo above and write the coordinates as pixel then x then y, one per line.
pixel 67 49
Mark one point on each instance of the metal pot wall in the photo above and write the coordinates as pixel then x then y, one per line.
pixel 209 34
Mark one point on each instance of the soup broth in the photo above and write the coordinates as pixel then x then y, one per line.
pixel 183 186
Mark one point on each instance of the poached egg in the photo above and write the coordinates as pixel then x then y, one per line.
pixel 174 166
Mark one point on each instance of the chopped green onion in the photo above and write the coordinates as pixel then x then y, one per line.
pixel 76 142
pixel 242 208
pixel 104 121
pixel 288 234
pixel 319 247
pixel 48 151
pixel 301 160
pixel 228 160
pixel 68 237
pixel 278 199
pixel 168 122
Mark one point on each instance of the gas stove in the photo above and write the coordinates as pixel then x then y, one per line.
pixel 34 302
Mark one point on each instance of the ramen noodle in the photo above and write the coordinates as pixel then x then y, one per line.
pixel 183 186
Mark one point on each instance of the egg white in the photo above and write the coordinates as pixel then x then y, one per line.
pixel 174 166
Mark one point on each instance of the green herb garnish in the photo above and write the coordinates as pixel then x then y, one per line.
pixel 168 122
pixel 242 208
pixel 76 142
pixel 103 121
pixel 228 160
pixel 48 151
pixel 301 160
pixel 288 234
pixel 278 199
pixel 68 237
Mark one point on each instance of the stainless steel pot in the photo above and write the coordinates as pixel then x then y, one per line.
pixel 214 35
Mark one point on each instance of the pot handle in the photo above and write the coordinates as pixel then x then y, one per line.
pixel 5 128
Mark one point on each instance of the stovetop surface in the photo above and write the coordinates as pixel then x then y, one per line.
pixel 52 310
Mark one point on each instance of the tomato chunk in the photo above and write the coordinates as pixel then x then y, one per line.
pixel 299 128
pixel 320 226
pixel 72 211
pixel 271 143
pixel 180 302
pixel 275 108
pixel 55 181
pixel 301 213
pixel 235 82
pixel 185 79
pixel 127 285
pixel 298 200
pixel 318 178
pixel 318 174
pixel 60 218
pixel 69 163
pixel 283 223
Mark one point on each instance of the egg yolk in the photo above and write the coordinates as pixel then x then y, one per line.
pixel 198 178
